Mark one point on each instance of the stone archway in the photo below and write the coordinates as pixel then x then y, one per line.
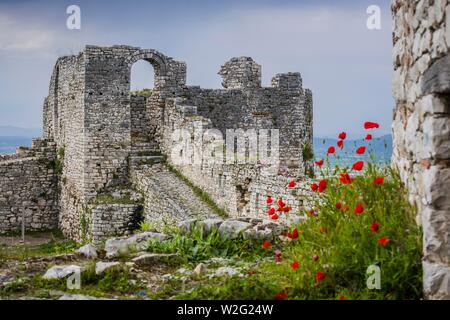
pixel 156 59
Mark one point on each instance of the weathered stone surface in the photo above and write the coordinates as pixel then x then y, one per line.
pixel 421 128
pixel 152 259
pixel 122 246
pixel 101 266
pixel 59 272
pixel 437 78
pixel 208 225
pixel 436 280
pixel 227 271
pixel 200 269
pixel 89 251
pixel 231 229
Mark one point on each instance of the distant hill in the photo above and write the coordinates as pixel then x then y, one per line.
pixel 11 131
pixel 379 147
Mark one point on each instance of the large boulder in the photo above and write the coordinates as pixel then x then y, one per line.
pixel 89 251
pixel 116 247
pixel 101 266
pixel 60 272
pixel 152 259
pixel 231 229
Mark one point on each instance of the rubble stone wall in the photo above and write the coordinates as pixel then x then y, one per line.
pixel 28 189
pixel 421 127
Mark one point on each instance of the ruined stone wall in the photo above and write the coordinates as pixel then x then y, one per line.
pixel 64 123
pixel 242 187
pixel 28 189
pixel 246 105
pixel 109 220
pixel 421 128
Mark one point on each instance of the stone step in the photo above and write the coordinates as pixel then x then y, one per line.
pixel 150 159
pixel 168 196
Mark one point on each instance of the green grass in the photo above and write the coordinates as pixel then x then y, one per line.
pixel 110 283
pixel 199 192
pixel 195 247
pixel 22 252
pixel 143 93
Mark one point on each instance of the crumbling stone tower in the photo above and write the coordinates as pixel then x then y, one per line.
pixel 104 141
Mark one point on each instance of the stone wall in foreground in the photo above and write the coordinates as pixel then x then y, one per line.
pixel 28 189
pixel 421 127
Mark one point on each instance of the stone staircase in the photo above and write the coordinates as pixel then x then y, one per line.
pixel 167 196
pixel 145 153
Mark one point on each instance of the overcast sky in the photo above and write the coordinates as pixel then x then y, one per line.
pixel 347 66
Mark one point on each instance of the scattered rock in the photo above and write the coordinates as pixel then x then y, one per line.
pixel 231 229
pixel 122 246
pixel 227 271
pixel 101 266
pixel 89 251
pixel 152 259
pixel 200 269
pixel 60 272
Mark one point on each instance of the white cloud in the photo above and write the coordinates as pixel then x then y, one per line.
pixel 19 36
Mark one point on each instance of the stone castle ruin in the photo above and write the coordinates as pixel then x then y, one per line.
pixel 107 159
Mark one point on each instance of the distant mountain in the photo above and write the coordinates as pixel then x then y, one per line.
pixel 380 148
pixel 11 131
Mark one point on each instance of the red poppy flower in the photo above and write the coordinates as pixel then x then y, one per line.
pixel 269 200
pixel 274 217
pixel 322 185
pixel 315 258
pixel 331 150
pixel 291 184
pixel 271 211
pixel 384 241
pixel 374 227
pixel 294 265
pixel 361 150
pixel 287 209
pixel 312 213
pixel 340 144
pixel 278 255
pixel 371 125
pixel 358 165
pixel 338 206
pixel 281 295
pixel 369 137
pixel 280 203
pixel 319 163
pixel 345 178
pixel 342 135
pixel 266 244
pixel 320 276
pixel 293 235
pixel 359 209
pixel 378 180
pixel 314 187
pixel 343 298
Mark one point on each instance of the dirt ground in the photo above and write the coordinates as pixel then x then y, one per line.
pixel 30 240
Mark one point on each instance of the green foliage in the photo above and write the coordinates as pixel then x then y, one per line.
pixel 345 246
pixel 196 246
pixel 142 93
pixel 307 152
pixel 198 191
